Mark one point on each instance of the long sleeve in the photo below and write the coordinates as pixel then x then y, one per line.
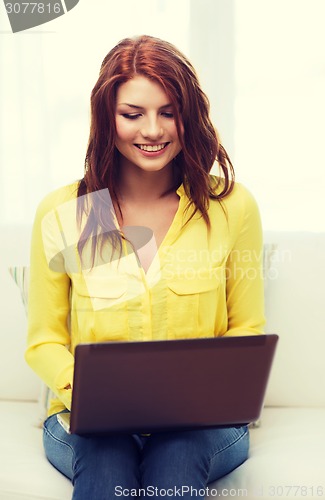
pixel 245 293
pixel 48 315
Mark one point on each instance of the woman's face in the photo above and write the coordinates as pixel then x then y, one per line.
pixel 147 136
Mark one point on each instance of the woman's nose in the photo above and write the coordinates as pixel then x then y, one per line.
pixel 152 129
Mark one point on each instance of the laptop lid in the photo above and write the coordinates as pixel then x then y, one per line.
pixel 174 384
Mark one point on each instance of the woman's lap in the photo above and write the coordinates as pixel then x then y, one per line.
pixel 123 462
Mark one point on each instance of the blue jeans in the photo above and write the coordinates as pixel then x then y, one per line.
pixel 169 464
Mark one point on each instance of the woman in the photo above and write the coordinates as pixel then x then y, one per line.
pixel 148 245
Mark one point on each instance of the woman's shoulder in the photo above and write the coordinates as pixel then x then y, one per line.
pixel 239 194
pixel 58 197
pixel 239 208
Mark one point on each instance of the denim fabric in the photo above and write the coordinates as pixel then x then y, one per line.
pixel 170 464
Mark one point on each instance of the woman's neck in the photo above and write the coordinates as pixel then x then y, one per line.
pixel 137 185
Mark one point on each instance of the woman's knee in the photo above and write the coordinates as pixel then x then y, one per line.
pixel 106 465
pixel 175 458
pixel 205 454
pixel 58 450
pixel 99 457
pixel 232 452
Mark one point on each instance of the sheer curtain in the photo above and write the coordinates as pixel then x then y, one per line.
pixel 47 74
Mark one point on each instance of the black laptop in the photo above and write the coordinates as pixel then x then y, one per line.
pixel 145 387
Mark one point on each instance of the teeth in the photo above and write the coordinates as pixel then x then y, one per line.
pixel 156 147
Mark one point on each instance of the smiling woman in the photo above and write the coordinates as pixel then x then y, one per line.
pixel 151 148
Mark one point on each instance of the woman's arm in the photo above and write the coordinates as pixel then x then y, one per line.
pixel 245 291
pixel 48 314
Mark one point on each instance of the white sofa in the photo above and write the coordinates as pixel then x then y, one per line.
pixel 287 457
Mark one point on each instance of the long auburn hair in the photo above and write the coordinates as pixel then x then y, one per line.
pixel 163 63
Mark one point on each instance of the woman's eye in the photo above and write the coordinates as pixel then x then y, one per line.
pixel 134 116
pixel 131 117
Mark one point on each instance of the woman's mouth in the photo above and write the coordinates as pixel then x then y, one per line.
pixel 152 148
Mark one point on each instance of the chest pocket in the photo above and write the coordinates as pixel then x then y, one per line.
pixel 100 292
pixel 193 303
pixel 100 308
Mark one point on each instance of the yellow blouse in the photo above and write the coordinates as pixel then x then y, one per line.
pixel 199 284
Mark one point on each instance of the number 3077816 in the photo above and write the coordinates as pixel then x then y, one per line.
pixel 33 8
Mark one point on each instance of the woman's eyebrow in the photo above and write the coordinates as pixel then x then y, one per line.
pixel 129 105
pixel 141 107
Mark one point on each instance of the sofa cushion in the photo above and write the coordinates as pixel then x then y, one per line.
pixel 295 302
pixel 24 384
pixel 286 458
pixel 24 471
pixel 20 275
